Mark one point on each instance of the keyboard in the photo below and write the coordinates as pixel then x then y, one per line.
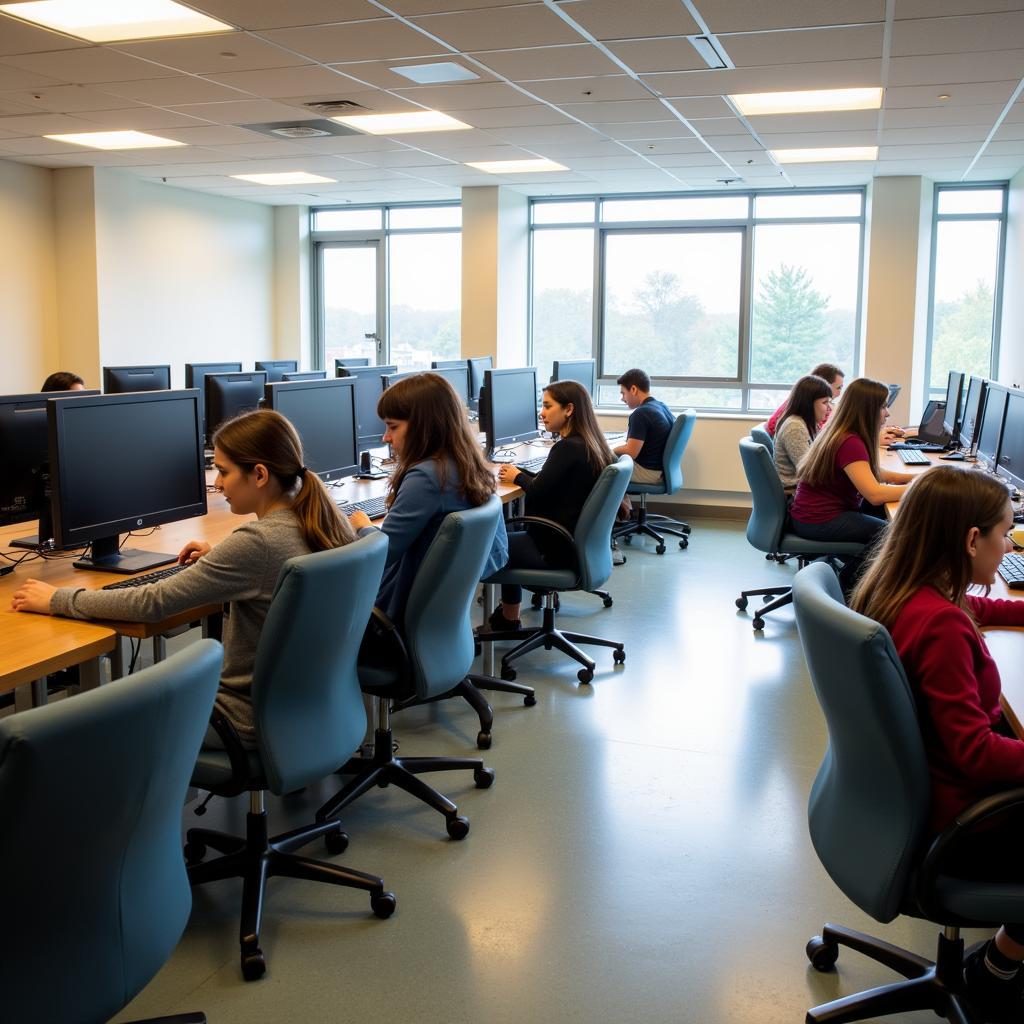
pixel 920 446
pixel 146 578
pixel 1012 570
pixel 912 457
pixel 375 508
pixel 533 465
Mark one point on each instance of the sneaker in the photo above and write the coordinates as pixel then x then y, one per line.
pixel 618 556
pixel 994 999
pixel 497 623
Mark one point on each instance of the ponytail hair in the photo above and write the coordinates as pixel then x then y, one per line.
pixel 267 438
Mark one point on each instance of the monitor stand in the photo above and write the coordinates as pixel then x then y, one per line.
pixel 32 542
pixel 106 557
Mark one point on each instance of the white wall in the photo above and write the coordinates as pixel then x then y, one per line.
pixel 292 311
pixel 1011 349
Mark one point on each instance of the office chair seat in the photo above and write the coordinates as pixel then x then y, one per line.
pixel 540 580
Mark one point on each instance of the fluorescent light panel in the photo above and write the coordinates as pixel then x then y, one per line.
pixel 284 178
pixel 107 21
pixel 516 166
pixel 115 140
pixel 401 124
pixel 835 154
pixel 433 74
pixel 807 101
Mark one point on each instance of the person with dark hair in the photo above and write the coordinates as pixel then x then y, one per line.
pixel 650 421
pixel 557 492
pixel 806 410
pixel 829 372
pixel 260 469
pixel 440 469
pixel 951 534
pixel 63 381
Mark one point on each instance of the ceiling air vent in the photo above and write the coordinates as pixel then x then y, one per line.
pixel 332 108
pixel 298 129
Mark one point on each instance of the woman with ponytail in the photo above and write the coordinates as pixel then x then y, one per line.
pixel 260 469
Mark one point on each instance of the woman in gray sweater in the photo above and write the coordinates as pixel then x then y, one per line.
pixel 806 409
pixel 260 469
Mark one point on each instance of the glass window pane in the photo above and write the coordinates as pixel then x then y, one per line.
pixel 804 299
pixel 349 290
pixel 971 200
pixel 682 208
pixel 563 213
pixel 965 280
pixel 679 398
pixel 563 295
pixel 425 290
pixel 672 303
pixel 425 217
pixel 347 220
pixel 767 400
pixel 824 204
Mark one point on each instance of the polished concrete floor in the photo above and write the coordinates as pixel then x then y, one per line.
pixel 642 856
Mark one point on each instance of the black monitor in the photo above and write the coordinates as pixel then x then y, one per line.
pixel 229 394
pixel 1010 465
pixel 970 420
pixel 583 371
pixel 508 406
pixel 118 380
pixel 894 390
pixel 951 417
pixel 369 388
pixel 457 376
pixel 387 379
pixel 195 375
pixel 276 368
pixel 340 363
pixel 306 375
pixel 324 414
pixel 478 366
pixel 25 462
pixel 990 435
pixel 122 463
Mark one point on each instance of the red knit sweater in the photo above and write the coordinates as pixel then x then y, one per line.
pixel 957 687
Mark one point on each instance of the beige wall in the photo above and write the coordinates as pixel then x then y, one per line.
pixel 292 311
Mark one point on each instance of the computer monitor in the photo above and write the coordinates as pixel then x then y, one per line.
pixel 970 420
pixel 991 433
pixel 229 394
pixel 583 371
pixel 324 414
pixel 387 379
pixel 122 463
pixel 478 366
pixel 25 462
pixel 508 406
pixel 369 388
pixel 118 380
pixel 306 375
pixel 894 390
pixel 1010 465
pixel 951 417
pixel 347 361
pixel 195 376
pixel 276 368
pixel 457 376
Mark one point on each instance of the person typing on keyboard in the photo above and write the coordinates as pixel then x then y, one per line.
pixel 650 422
pixel 260 469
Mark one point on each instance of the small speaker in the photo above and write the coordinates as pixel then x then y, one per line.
pixel 364 462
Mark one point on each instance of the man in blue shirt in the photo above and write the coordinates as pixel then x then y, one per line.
pixel 649 424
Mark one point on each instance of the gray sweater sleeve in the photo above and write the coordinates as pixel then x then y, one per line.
pixel 232 571
pixel 792 442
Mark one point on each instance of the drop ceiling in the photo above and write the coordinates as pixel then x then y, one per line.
pixel 611 89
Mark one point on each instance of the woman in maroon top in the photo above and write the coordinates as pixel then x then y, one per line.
pixel 951 534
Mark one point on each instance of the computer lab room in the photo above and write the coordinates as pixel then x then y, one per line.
pixel 510 510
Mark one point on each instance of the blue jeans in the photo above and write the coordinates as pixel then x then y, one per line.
pixel 856 526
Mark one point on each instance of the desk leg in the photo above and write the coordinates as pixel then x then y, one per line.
pixel 159 649
pixel 117 659
pixel 213 626
pixel 487 650
pixel 89 674
pixel 30 695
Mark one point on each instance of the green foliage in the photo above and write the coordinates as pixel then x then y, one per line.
pixel 962 335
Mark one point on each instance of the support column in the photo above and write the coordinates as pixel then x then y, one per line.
pixel 292 312
pixel 1011 352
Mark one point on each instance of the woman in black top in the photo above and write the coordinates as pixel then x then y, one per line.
pixel 557 492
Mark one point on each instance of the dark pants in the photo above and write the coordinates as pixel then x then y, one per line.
pixel 523 553
pixel 859 526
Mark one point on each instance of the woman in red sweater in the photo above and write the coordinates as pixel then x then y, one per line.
pixel 951 534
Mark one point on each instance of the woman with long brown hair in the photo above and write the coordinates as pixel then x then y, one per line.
pixel 951 534
pixel 260 469
pixel 558 491
pixel 440 469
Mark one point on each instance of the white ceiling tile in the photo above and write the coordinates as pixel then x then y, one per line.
pixel 730 143
pixel 87 66
pixel 257 14
pixel 351 144
pixel 942 8
pixel 942 114
pixel 815 140
pixel 703 106
pixel 957 35
pixel 9 106
pixel 66 99
pixel 543 62
pixel 279 82
pixel 139 118
pixel 375 100
pixel 960 95
pixel 941 134
pixel 756 15
pixel 649 56
pixel 16 78
pixel 1005 147
pixel 193 156
pixel 837 121
pixel 35 146
pixel 649 130
pixel 212 135
pixel 385 39
pixel 681 162
pixel 269 147
pixel 244 112
pixel 541 135
pixel 628 111
pixel 19 37
pixel 474 96
pixel 447 142
pixel 713 127
pixel 954 68
pixel 1010 130
pixel 499 28
pixel 381 73
pixel 510 117
pixel 802 47
pixel 589 90
pixel 613 19
pixel 925 151
pixel 650 147
pixel 599 147
pixel 167 91
pixel 407 159
pixel 45 124
pixel 624 162
pixel 837 74
pixel 202 55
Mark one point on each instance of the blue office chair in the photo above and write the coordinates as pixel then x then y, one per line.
pixel 91 790
pixel 591 545
pixel 766 529
pixel 432 660
pixel 762 437
pixel 672 470
pixel 868 815
pixel 309 717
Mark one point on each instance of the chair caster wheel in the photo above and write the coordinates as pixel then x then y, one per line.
pixel 508 674
pixel 618 656
pixel 383 904
pixel 537 601
pixel 529 700
pixel 758 623
pixel 608 601
pixel 585 675
pixel 336 842
pixel 822 955
pixel 660 549
pixel 483 740
pixel 741 603
pixel 458 827
pixel 254 964
pixel 484 778
pixel 684 543
pixel 194 853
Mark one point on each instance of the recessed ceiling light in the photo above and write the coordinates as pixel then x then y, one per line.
pixel 284 178
pixel 432 74
pixel 944 96
pixel 107 21
pixel 516 166
pixel 115 140
pixel 825 155
pixel 754 104
pixel 401 124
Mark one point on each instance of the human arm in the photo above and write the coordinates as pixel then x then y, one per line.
pixel 990 611
pixel 792 443
pixel 359 520
pixel 631 447
pixel 417 502
pixel 542 489
pixel 891 476
pixel 871 490
pixel 890 433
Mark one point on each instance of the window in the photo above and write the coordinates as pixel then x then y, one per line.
pixel 968 239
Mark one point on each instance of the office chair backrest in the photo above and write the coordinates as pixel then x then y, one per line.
pixel 594 526
pixel 768 513
pixel 869 804
pixel 675 445
pixel 91 790
pixel 438 628
pixel 305 693
pixel 762 437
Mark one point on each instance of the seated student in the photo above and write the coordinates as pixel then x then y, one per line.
pixel 831 373
pixel 440 469
pixel 951 534
pixel 807 408
pixel 259 462
pixel 558 492
pixel 841 493
pixel 649 424
pixel 63 381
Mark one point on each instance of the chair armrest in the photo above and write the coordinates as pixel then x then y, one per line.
pixel 382 638
pixel 550 526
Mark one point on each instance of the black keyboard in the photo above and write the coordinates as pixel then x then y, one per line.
pixel 146 578
pixel 1012 570
pixel 375 508
pixel 920 446
pixel 912 457
pixel 533 465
